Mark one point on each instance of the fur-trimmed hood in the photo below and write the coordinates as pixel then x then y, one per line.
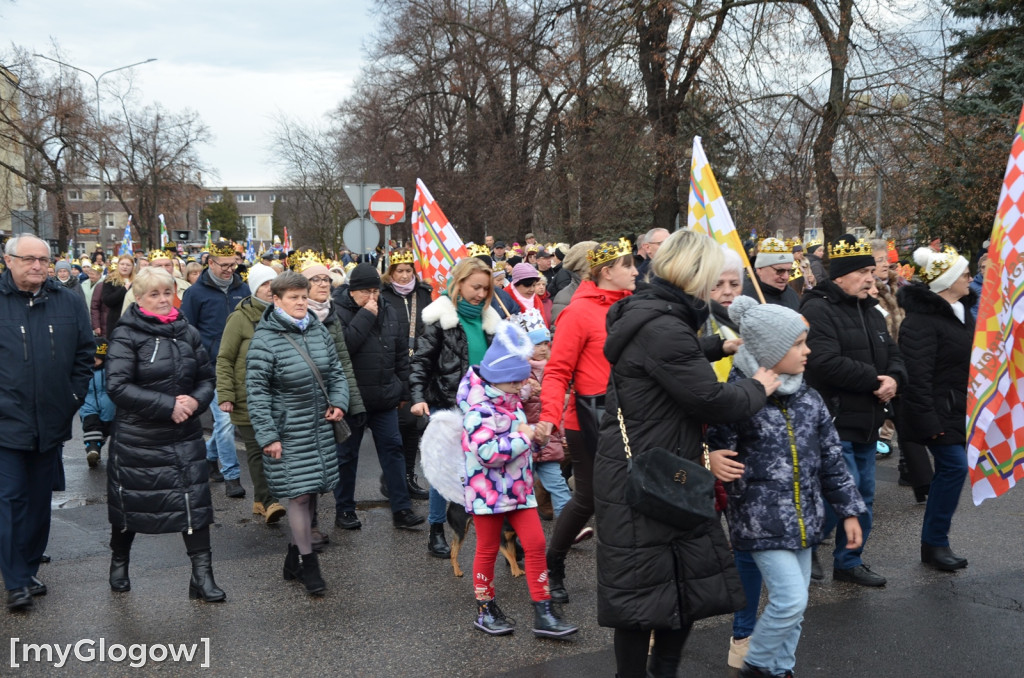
pixel 443 312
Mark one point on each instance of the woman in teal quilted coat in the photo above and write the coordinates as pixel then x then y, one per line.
pixel 291 415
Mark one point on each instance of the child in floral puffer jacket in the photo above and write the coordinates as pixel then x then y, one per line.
pixel 497 443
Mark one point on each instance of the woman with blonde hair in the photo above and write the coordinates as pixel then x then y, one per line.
pixel 161 379
pixel 653 576
pixel 192 271
pixel 457 329
pixel 115 287
pixel 578 367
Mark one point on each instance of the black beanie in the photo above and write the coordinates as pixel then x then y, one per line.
pixel 363 277
pixel 841 265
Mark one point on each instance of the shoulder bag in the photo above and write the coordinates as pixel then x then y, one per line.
pixel 341 429
pixel 667 487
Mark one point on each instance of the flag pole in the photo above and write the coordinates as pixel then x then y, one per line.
pixel 753 279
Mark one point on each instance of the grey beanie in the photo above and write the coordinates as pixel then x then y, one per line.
pixel 62 265
pixel 768 330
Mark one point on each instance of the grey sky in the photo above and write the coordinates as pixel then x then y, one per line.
pixel 239 64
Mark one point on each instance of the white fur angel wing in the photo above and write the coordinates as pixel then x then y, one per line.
pixel 444 462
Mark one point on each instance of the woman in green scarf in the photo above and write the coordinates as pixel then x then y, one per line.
pixel 457 328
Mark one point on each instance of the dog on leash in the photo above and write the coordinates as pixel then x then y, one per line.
pixel 460 522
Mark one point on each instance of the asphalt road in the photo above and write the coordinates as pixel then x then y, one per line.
pixel 391 610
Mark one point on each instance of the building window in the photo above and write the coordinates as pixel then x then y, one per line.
pixel 273 198
pixel 108 195
pixel 74 194
pixel 108 220
pixel 76 220
pixel 249 223
pixel 245 197
pixel 213 197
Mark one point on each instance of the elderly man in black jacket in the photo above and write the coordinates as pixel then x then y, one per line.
pixel 380 359
pixel 857 368
pixel 47 347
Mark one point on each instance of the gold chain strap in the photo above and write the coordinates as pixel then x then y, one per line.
pixel 625 438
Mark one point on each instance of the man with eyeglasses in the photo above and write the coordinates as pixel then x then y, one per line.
pixel 206 305
pixel 47 348
pixel 773 266
pixel 161 259
pixel 651 241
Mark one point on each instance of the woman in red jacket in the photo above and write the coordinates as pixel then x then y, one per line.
pixel 577 358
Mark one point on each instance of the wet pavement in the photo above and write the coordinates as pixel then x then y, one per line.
pixel 392 610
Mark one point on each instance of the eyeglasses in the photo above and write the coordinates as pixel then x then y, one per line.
pixel 656 244
pixel 42 261
pixel 320 280
pixel 224 267
pixel 779 272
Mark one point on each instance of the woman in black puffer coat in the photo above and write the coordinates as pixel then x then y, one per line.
pixel 936 338
pixel 161 379
pixel 407 295
pixel 652 576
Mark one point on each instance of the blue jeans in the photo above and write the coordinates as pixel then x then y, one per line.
pixel 860 460
pixel 944 495
pixel 221 444
pixel 787 574
pixel 550 474
pixel 438 508
pixel 744 620
pixel 388 441
pixel 26 487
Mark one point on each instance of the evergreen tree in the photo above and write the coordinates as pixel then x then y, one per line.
pixel 224 217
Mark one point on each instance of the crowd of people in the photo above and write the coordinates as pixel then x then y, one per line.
pixel 786 378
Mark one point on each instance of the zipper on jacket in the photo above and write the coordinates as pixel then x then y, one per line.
pixel 53 347
pixel 188 513
pixel 156 347
pixel 24 342
pixel 796 475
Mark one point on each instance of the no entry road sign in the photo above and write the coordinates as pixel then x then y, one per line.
pixel 387 206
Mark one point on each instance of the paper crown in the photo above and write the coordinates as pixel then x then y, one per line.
pixel 793 242
pixel 400 257
pixel 222 248
pixel 608 251
pixel 101 346
pixel 813 243
pixel 796 273
pixel 158 254
pixel 303 259
pixel 532 248
pixel 479 251
pixel 938 264
pixel 845 249
pixel 774 246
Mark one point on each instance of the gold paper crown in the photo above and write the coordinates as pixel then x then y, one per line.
pixel 222 248
pixel 406 257
pixel 793 242
pixel 774 246
pixel 101 347
pixel 845 249
pixel 796 273
pixel 532 248
pixel 301 260
pixel 479 251
pixel 608 251
pixel 813 243
pixel 938 265
pixel 158 254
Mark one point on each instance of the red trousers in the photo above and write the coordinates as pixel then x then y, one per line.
pixel 526 523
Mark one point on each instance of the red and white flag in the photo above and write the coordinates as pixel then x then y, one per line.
pixel 435 241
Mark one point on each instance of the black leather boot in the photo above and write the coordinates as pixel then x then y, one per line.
pixel 292 567
pixel 941 558
pixel 310 574
pixel 415 491
pixel 548 622
pixel 556 578
pixel 119 581
pixel 437 545
pixel 202 585
pixel 491 620
pixel 215 474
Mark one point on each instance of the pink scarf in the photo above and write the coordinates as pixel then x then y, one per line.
pixel 169 318
pixel 405 289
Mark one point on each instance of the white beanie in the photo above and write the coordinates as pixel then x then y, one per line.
pixel 259 274
pixel 772 252
pixel 939 270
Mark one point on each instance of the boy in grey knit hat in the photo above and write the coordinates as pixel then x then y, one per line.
pixel 779 468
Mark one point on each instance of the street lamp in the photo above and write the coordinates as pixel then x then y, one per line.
pixel 95 78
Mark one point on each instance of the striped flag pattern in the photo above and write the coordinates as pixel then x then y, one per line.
pixel 995 407
pixel 435 241
pixel 707 212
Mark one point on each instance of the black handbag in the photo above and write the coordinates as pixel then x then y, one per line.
pixel 341 429
pixel 667 487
